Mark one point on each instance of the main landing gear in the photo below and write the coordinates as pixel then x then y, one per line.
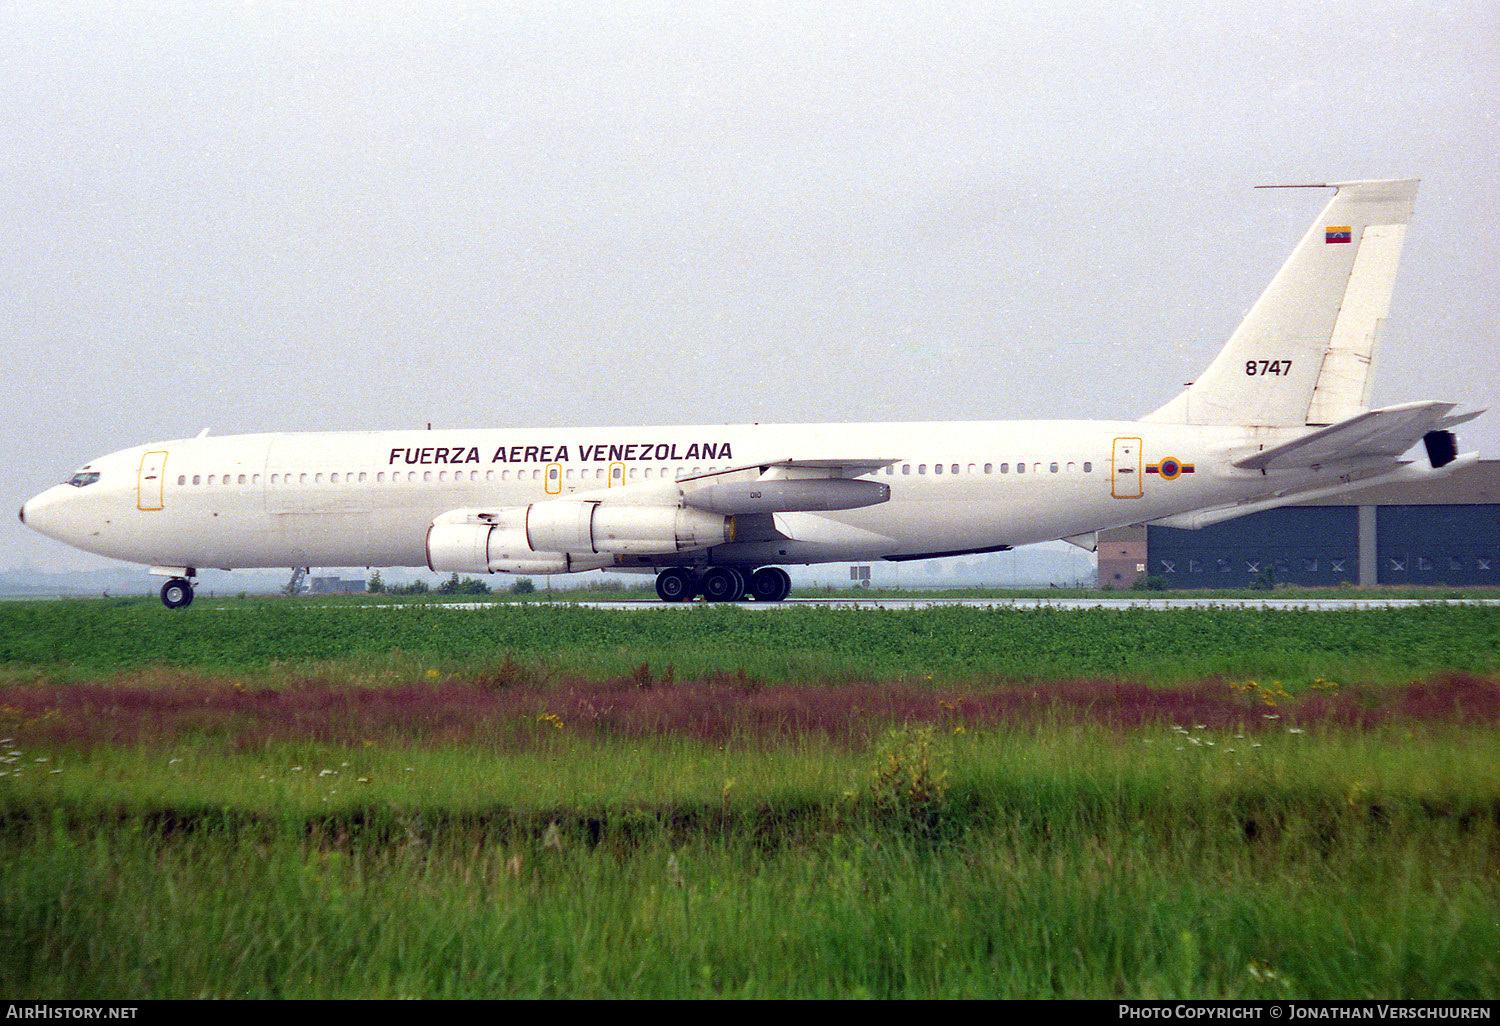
pixel 723 584
pixel 177 592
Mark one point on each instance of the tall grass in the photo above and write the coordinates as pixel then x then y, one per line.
pixel 1055 859
pixel 1009 911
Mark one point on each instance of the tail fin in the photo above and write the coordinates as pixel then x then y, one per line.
pixel 1303 354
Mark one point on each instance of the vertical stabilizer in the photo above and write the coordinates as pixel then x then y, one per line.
pixel 1303 354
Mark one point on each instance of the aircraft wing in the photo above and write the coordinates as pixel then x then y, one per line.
pixel 1387 432
pixel 645 518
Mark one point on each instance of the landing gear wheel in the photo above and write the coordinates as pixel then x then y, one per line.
pixel 676 585
pixel 177 593
pixel 723 584
pixel 770 584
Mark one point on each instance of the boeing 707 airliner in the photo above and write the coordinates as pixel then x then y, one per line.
pixel 1281 415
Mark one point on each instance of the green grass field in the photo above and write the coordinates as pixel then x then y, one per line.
pixel 801 645
pixel 264 800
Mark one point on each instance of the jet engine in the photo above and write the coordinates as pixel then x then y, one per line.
pixel 571 526
pixel 566 536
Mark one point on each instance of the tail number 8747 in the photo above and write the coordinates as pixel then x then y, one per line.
pixel 1260 368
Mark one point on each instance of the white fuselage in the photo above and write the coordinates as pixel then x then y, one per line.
pixel 368 498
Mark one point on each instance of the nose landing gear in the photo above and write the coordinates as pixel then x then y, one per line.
pixel 177 593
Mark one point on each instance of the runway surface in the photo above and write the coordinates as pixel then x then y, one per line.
pixel 1133 602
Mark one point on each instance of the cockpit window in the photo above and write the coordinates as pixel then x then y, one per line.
pixel 83 478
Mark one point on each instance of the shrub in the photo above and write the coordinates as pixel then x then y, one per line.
pixel 910 785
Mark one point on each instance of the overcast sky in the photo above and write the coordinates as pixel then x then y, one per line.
pixel 267 216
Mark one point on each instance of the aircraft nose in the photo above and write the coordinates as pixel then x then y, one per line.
pixel 37 511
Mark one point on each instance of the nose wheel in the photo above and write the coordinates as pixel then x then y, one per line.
pixel 176 593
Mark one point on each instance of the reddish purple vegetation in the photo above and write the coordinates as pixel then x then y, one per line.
pixel 514 709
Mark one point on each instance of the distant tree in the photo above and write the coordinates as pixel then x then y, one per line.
pixel 376 584
pixel 523 586
pixel 467 586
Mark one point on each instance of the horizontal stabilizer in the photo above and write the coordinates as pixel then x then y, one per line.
pixel 1387 432
pixel 1402 474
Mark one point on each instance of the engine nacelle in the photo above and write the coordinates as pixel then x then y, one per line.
pixel 788 495
pixel 566 536
pixel 477 547
pixel 458 548
pixel 591 527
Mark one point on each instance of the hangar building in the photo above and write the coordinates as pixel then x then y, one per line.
pixel 1446 533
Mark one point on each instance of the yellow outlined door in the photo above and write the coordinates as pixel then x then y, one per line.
pixel 1125 469
pixel 149 485
pixel 554 479
pixel 616 474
